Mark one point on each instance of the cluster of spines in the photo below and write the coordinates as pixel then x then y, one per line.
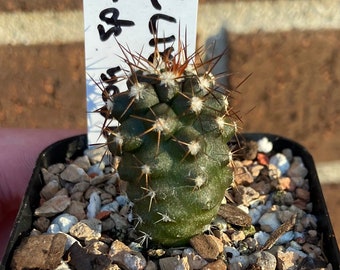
pixel 169 96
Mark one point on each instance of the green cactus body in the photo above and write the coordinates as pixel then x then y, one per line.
pixel 172 138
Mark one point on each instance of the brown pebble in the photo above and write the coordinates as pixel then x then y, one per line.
pixel 207 246
pixel 171 263
pixel 216 265
pixel 286 183
pixel 50 189
pixel 81 258
pixel 74 174
pixel 242 176
pixel 300 204
pixel 103 214
pixel 256 170
pixel 122 255
pixel 39 252
pixel 53 206
pixel 262 159
pixel 302 194
pixel 262 187
pixel 245 195
pixel 77 209
pixel 42 224
pixel 234 215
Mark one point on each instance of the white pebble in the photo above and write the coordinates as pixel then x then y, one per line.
pixel 96 169
pixel 94 205
pixel 122 200
pixel 239 262
pixel 53 229
pixel 231 252
pixel 298 235
pixel 294 244
pixel 220 223
pixel 261 237
pixel 264 145
pixel 300 253
pixel 65 222
pixel 281 162
pixel 285 238
pixel 255 215
pixel 269 222
pixel 113 207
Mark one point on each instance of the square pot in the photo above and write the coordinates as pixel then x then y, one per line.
pixel 72 147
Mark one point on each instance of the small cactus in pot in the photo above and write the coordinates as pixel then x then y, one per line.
pixel 171 142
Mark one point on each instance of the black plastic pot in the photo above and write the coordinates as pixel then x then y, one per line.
pixel 74 146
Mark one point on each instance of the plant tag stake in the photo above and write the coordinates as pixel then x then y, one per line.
pixel 132 24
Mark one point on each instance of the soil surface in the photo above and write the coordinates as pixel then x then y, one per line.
pixel 293 90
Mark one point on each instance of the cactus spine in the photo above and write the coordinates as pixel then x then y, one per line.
pixel 174 125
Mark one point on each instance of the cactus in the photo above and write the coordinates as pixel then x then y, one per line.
pixel 174 126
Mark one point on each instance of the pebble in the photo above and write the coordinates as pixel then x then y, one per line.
pixel 87 229
pixel 264 145
pixel 83 162
pixel 53 229
pixel 80 187
pixel 65 222
pixel 231 252
pixel 285 238
pixel 297 168
pixel 50 189
pixel 74 174
pixel 94 205
pixel 129 260
pixel 281 162
pixel 77 209
pixel 207 246
pixel 255 215
pixel 42 224
pixel 96 154
pixel 262 159
pixel 113 207
pixel 174 263
pixel 287 260
pixel 53 206
pixel 269 222
pixel 216 265
pixel 237 236
pixel 263 259
pixel 238 263
pixel 195 261
pixel 243 176
pixel 288 153
pixel 45 252
pixel 286 183
pixel 302 194
pixel 56 168
pixel 261 237
pixel 245 195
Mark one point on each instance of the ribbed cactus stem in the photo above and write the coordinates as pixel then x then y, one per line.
pixel 174 125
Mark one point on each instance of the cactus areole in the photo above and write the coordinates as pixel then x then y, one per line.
pixel 171 142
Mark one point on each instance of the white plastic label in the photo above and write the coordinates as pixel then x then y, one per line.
pixel 131 24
